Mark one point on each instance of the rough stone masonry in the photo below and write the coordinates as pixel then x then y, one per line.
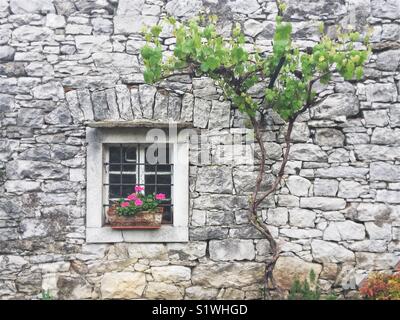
pixel 64 63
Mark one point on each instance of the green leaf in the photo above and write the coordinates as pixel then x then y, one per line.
pixel 212 63
pixel 156 30
pixel 359 72
pixel 238 55
pixel 148 76
pixel 204 67
pixel 146 52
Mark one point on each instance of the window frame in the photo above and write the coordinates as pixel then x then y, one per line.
pixel 96 231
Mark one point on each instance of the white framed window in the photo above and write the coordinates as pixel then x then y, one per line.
pixel 120 158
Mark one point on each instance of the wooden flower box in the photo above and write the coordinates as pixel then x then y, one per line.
pixel 141 220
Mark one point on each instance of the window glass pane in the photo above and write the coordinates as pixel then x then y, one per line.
pixel 129 167
pixel 115 167
pixel 126 191
pixel 114 178
pixel 149 188
pixel 114 191
pixel 129 178
pixel 166 190
pixel 161 179
pixel 115 154
pixel 130 154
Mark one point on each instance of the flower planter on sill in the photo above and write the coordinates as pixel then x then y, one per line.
pixel 141 220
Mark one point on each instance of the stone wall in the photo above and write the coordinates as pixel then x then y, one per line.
pixel 67 62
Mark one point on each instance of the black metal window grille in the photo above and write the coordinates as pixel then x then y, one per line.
pixel 150 166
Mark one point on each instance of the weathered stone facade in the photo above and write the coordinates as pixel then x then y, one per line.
pixel 64 63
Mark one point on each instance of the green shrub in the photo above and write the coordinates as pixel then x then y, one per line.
pixel 380 286
pixel 305 290
pixel 46 295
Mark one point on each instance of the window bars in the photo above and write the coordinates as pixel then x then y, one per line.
pixel 145 165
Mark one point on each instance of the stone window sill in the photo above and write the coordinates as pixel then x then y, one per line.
pixel 166 233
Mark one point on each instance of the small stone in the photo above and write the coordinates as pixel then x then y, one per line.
pixel 335 105
pixel 183 8
pixel 369 245
pixel 325 187
pixel 330 252
pixel 204 88
pixel 289 268
pixel 350 230
pixel 21 186
pixel 187 251
pixel 220 114
pixel 28 33
pixel 122 285
pixel 329 137
pixel 228 274
pixel 253 27
pixel 385 136
pixel 51 90
pixel 388 60
pixel 300 233
pixel 302 218
pixel 388 196
pixel 32 6
pixel 30 117
pixel 231 249
pixel 372 211
pixel 287 200
pixel 96 43
pixel 376 261
pixel 231 294
pixel 217 179
pixel 171 273
pixel 101 25
pixel 394 115
pixel 131 24
pixel 383 171
pixel 243 6
pixel 200 293
pixel 357 138
pixel 161 290
pixel 385 9
pixel 78 29
pixel 298 186
pixel 381 92
pixel 60 115
pixel 6 53
pixel 55 21
pixel 342 172
pixel 201 113
pixel 323 203
pixel 307 152
pixel 22 169
pixel 6 102
pixel 376 118
pixel 331 233
pixel 351 189
pixel 277 216
pixel 379 231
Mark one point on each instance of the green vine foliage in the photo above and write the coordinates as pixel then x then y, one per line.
pixel 287 72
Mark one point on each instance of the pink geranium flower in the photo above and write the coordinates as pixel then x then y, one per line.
pixel 139 188
pixel 160 196
pixel 124 204
pixel 131 197
pixel 138 202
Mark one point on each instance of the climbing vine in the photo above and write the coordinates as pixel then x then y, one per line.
pixel 288 74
